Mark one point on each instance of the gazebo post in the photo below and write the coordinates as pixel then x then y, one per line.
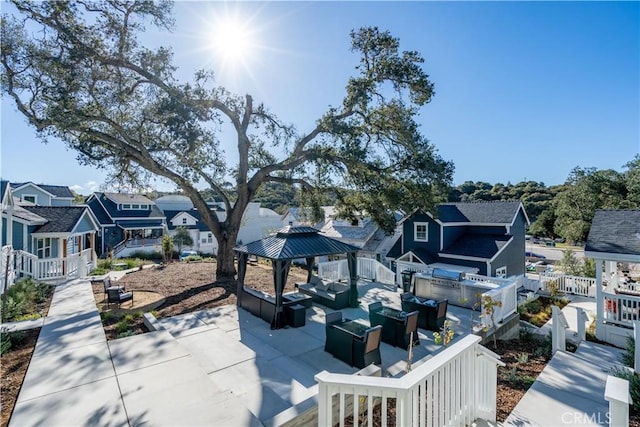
pixel 309 261
pixel 242 271
pixel 352 263
pixel 280 272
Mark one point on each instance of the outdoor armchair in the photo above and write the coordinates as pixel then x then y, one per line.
pixel 367 351
pixel 118 296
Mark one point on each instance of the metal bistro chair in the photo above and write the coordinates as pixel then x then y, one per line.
pixel 367 351
pixel 118 296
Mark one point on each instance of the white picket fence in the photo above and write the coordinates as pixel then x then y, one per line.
pixel 585 286
pixel 456 387
pixel 368 269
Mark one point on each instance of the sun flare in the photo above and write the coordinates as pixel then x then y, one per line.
pixel 232 40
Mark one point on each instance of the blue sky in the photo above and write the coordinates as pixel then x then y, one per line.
pixel 524 90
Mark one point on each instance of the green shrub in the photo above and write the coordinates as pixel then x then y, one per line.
pixel 628 355
pixel 126 333
pixel 634 384
pixel 10 339
pixel 21 298
pixel 128 318
pixel 122 326
pixel 23 317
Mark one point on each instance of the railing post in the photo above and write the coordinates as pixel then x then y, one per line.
pixel 636 353
pixel 582 318
pixel 616 392
pixel 324 401
pixel 559 324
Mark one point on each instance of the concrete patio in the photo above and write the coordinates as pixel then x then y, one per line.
pixel 219 366
pixel 226 367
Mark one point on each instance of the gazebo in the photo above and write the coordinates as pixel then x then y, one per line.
pixel 290 243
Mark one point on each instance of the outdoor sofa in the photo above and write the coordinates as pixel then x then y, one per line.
pixel 261 304
pixel 431 313
pixel 334 295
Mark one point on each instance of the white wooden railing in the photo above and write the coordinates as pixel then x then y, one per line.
pixel 585 286
pixel 507 294
pixel 25 264
pixel 368 268
pixel 620 309
pixel 456 387
pixel 135 243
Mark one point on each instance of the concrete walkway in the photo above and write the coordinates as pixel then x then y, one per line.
pixel 570 390
pixel 76 377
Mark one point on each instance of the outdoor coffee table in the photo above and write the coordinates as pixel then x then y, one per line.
pixel 298 298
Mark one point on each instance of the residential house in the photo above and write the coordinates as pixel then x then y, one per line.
pixel 42 195
pixel 257 222
pixel 361 232
pixel 129 223
pixel 486 238
pixel 614 243
pixel 46 242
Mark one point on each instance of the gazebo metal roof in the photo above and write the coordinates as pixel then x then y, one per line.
pixel 296 242
pixel 291 243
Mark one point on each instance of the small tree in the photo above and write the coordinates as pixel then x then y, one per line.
pixel 167 248
pixel 570 264
pixel 489 305
pixel 182 238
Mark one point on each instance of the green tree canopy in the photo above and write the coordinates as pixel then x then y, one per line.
pixel 78 73
pixel 182 238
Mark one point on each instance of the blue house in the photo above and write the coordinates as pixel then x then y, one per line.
pixel 128 223
pixel 41 194
pixel 46 242
pixel 486 238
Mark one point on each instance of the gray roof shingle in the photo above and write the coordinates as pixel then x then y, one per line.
pixel 615 231
pixel 60 219
pixel 479 212
pixel 56 190
pixel 477 245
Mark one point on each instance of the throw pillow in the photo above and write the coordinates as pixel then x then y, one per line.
pixel 322 286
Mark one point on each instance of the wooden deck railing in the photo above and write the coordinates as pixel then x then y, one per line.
pixel 456 387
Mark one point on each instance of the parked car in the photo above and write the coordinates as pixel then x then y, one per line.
pixel 186 254
pixel 534 255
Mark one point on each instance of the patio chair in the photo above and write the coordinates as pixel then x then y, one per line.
pixel 375 306
pixel 337 343
pixel 118 296
pixel 107 284
pixel 410 327
pixel 367 351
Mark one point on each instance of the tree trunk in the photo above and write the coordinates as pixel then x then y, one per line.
pixel 226 268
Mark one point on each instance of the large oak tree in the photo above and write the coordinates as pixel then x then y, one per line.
pixel 79 74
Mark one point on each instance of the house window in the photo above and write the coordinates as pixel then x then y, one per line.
pixel 420 232
pixel 210 238
pixel 501 272
pixel 184 220
pixel 135 206
pixel 44 248
pixel 30 198
pixel 354 223
pixel 126 206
